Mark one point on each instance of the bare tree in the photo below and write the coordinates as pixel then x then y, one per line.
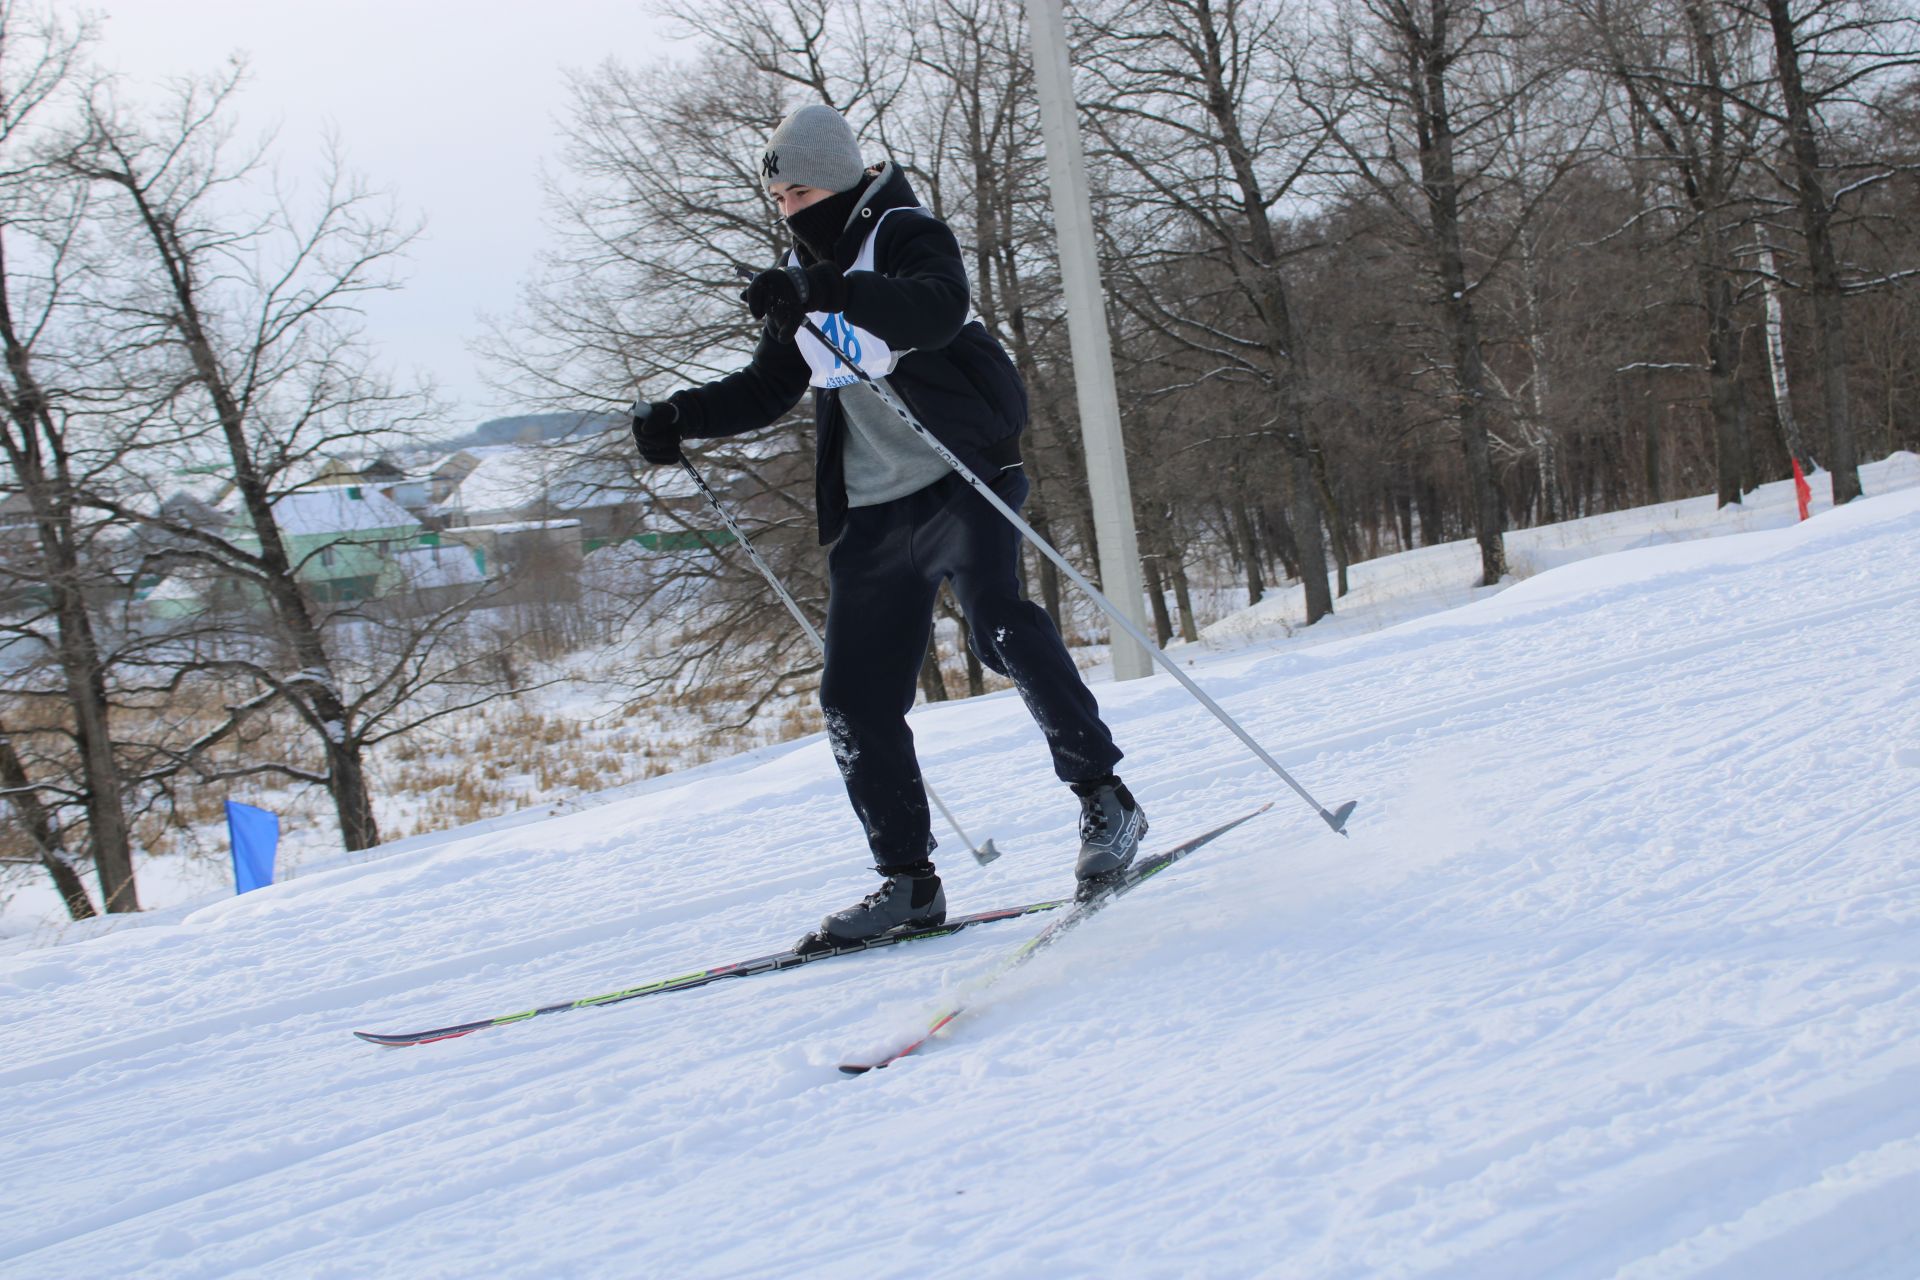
pixel 1687 69
pixel 1186 101
pixel 1443 99
pixel 1829 56
pixel 42 256
pixel 254 312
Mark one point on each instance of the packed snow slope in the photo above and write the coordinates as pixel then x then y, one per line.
pixel 1617 975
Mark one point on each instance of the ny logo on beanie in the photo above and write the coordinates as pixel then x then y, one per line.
pixel 813 147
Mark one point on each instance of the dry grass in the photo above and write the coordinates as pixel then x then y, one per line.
pixel 513 756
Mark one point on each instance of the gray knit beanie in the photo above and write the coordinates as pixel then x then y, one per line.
pixel 813 147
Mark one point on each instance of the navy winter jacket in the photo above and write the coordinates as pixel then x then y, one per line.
pixel 956 378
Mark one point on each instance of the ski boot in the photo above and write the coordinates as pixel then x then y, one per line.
pixel 1112 825
pixel 908 900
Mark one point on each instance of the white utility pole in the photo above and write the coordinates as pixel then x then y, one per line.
pixel 1114 539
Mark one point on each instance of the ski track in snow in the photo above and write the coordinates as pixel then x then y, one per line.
pixel 1617 976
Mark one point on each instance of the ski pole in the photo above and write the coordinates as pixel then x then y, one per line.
pixel 982 853
pixel 1336 818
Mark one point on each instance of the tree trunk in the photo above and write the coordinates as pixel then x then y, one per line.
pixel 932 684
pixel 976 675
pixel 1777 355
pixel 1310 545
pixel 1546 445
pixel 1256 260
pixel 39 828
pixel 49 494
pixel 352 799
pixel 1725 401
pixel 1816 215
pixel 1183 601
pixel 1049 572
pixel 1433 522
pixel 1157 597
pixel 1650 456
pixel 1243 530
pixel 1442 189
pixel 1279 534
pixel 1335 520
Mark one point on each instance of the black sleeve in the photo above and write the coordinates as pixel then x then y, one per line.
pixel 921 300
pixel 759 394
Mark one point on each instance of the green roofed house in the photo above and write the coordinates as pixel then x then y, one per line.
pixel 347 543
pixel 344 540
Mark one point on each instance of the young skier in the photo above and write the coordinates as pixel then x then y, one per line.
pixel 884 279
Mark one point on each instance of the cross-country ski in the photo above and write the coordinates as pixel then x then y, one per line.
pixel 772 963
pixel 1092 902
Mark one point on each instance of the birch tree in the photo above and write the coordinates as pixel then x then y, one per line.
pixel 1829 58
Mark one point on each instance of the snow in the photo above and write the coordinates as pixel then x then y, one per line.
pixel 339 509
pixel 522 526
pixel 1617 975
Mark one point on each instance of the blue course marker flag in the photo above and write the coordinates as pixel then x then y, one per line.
pixel 255 834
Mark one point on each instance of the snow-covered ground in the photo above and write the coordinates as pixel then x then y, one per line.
pixel 1617 975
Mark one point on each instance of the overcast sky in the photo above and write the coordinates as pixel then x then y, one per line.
pixel 450 105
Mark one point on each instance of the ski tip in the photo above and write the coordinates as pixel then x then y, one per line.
pixel 407 1042
pixel 1338 818
pixel 857 1068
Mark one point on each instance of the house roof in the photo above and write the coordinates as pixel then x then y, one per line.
pixel 453 566
pixel 461 461
pixel 506 478
pixel 173 587
pixel 511 478
pixel 339 509
pixel 595 480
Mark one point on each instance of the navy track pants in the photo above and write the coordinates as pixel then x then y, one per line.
pixel 885 572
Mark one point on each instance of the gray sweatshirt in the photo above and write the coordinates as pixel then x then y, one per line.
pixel 885 459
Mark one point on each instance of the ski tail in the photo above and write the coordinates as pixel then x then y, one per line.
pixel 1054 930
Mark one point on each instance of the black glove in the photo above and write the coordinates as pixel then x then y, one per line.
pixel 656 429
pixel 784 295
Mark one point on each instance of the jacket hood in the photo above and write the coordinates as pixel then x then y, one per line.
pixel 888 190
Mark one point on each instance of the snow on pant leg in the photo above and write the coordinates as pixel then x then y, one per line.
pixel 879 616
pixel 981 550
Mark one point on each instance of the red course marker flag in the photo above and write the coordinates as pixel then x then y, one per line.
pixel 1801 489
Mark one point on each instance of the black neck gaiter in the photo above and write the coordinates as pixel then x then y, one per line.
pixel 818 226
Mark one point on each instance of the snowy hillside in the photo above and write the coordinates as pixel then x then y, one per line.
pixel 1617 975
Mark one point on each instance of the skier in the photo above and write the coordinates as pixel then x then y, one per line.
pixel 884 279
